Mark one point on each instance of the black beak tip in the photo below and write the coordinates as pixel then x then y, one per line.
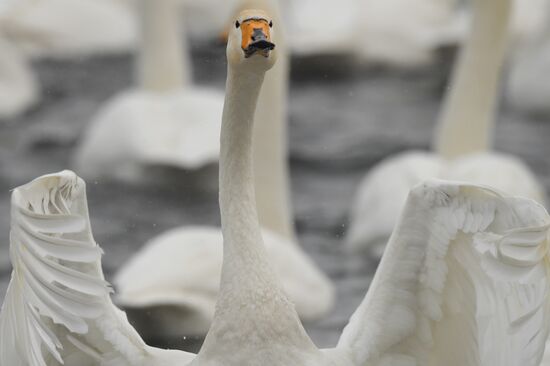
pixel 262 44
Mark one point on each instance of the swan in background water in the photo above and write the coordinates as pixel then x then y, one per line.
pixel 18 85
pixel 462 145
pixel 166 120
pixel 191 257
pixel 403 33
pixel 205 18
pixel 465 266
pixel 395 32
pixel 70 28
pixel 528 89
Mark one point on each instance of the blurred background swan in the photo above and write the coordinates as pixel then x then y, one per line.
pixel 18 85
pixel 525 90
pixel 70 28
pixel 166 120
pixel 462 142
pixel 395 66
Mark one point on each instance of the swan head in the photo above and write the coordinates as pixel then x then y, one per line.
pixel 250 43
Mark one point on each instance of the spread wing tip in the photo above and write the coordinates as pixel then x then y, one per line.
pixel 56 270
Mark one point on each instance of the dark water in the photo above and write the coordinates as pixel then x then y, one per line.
pixel 343 119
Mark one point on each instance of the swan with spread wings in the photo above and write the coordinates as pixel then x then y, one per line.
pixel 464 279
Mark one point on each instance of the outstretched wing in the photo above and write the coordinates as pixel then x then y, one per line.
pixel 464 281
pixel 57 309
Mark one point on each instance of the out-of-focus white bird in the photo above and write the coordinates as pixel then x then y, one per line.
pixel 18 86
pixel 465 266
pixel 404 33
pixel 462 146
pixel 70 28
pixel 529 19
pixel 528 89
pixel 183 290
pixel 397 32
pixel 166 120
pixel 205 18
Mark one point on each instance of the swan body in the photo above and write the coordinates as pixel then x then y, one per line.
pixel 180 281
pixel 374 214
pixel 462 143
pixel 205 18
pixel 526 90
pixel 71 28
pixel 18 86
pixel 189 278
pixel 166 121
pixel 407 33
pixel 401 33
pixel 140 128
pixel 466 265
pixel 396 32
pixel 303 18
pixel 529 19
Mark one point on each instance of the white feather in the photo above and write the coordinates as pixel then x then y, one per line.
pixel 57 305
pixel 478 297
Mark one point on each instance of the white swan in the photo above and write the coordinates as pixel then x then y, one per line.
pixel 407 33
pixel 205 18
pixel 166 121
pixel 527 89
pixel 18 85
pixel 191 256
pixel 462 147
pixel 70 28
pixel 465 266
pixel 403 33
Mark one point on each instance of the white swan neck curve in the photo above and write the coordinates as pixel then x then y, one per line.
pixel 270 139
pixel 467 119
pixel 162 63
pixel 252 310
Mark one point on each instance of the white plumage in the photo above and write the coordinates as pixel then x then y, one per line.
pixel 187 279
pixel 18 86
pixel 140 128
pixel 167 120
pixel 464 280
pixel 382 193
pixel 70 28
pixel 462 143
pixel 57 308
pixel 527 89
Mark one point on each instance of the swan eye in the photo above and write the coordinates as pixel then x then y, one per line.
pixel 271 24
pixel 237 24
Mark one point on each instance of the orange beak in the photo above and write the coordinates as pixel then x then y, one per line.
pixel 256 37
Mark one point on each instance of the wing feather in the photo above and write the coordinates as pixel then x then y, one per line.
pixel 57 308
pixel 464 281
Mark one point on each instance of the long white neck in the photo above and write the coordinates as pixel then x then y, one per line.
pixel 252 310
pixel 270 142
pixel 163 63
pixel 467 120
